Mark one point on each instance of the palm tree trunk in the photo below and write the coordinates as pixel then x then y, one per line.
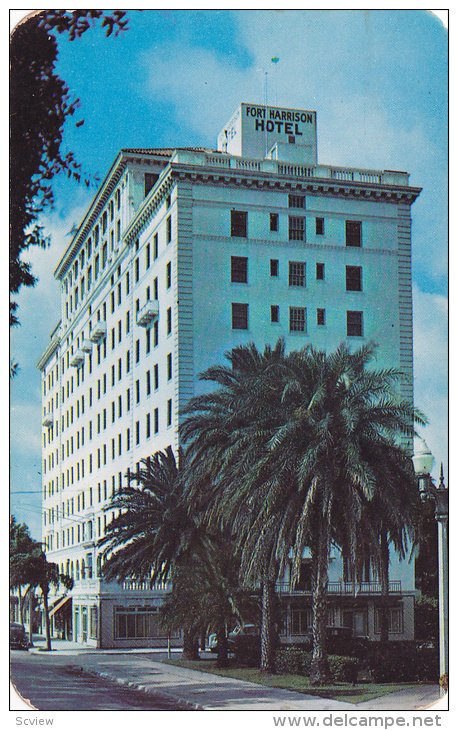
pixel 385 587
pixel 190 645
pixel 267 643
pixel 320 672
pixel 47 623
pixel 22 605
pixel 222 659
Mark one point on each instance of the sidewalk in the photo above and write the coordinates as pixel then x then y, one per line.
pixel 139 669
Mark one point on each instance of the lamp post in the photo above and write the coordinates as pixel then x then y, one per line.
pixel 423 462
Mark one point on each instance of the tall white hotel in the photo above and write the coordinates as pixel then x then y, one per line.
pixel 183 254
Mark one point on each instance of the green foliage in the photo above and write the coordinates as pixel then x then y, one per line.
pixel 293 660
pixel 24 550
pixel 344 668
pixel 427 618
pixel 403 661
pixel 40 105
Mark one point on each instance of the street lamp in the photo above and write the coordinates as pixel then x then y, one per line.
pixel 423 462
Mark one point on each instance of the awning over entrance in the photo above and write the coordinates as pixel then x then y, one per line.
pixel 60 604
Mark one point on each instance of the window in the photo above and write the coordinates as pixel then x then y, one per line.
pixel 297 319
pixel 239 269
pixel 169 412
pixel 156 420
pixel 296 228
pixel 169 229
pixel 301 620
pixel 274 221
pixel 169 366
pixel 274 267
pixel 395 620
pixel 168 275
pixel 148 382
pixel 137 351
pixel 274 313
pixel 239 316
pixel 156 376
pixel 320 272
pixel 319 226
pixel 239 223
pixel 150 181
pixel 139 623
pixel 321 317
pixel 148 425
pixel 136 269
pixel 137 432
pixel 353 276
pixel 155 246
pixel 169 320
pixel 354 324
pixel 296 201
pixel 353 233
pixel 297 273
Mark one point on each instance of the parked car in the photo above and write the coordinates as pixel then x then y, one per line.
pixel 18 637
pixel 239 633
pixel 213 643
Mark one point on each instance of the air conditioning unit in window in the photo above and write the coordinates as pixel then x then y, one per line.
pixel 48 420
pixel 99 332
pixel 86 346
pixel 148 313
pixel 77 359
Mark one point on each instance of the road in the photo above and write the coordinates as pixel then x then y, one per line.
pixel 59 683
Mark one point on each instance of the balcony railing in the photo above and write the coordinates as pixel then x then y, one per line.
pixel 86 346
pixel 146 585
pixel 148 313
pixel 77 359
pixel 343 588
pixel 292 169
pixel 99 332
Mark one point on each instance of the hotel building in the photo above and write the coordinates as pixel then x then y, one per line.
pixel 183 254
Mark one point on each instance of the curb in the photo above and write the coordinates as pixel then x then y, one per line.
pixel 187 704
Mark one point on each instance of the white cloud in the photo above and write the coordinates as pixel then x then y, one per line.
pixel 431 370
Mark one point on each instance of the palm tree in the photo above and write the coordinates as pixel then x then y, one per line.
pixel 157 537
pixel 226 432
pixel 293 448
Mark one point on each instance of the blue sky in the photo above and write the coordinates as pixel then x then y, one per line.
pixel 378 81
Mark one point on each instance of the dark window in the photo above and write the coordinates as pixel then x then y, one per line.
pixel 274 221
pixel 239 223
pixel 354 324
pixel 274 313
pixel 274 267
pixel 169 320
pixel 156 420
pixel 137 269
pixel 148 425
pixel 353 276
pixel 297 319
pixel 296 201
pixel 168 277
pixel 353 233
pixel 319 226
pixel 169 412
pixel 155 246
pixel 239 316
pixel 296 228
pixel 320 271
pixel 239 269
pixel 150 181
pixel 148 256
pixel 148 382
pixel 169 228
pixel 297 273
pixel 321 316
pixel 169 366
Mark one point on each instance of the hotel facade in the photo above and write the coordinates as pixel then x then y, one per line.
pixel 183 254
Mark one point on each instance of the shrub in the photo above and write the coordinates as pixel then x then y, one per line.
pixel 344 668
pixel 403 661
pixel 247 650
pixel 292 660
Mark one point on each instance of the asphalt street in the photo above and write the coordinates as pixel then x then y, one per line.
pixel 61 684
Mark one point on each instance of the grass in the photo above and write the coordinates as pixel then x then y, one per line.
pixel 362 692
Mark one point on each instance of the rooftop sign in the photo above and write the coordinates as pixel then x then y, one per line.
pixel 267 131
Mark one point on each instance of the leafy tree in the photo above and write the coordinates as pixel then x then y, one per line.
pixel 45 575
pixel 40 105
